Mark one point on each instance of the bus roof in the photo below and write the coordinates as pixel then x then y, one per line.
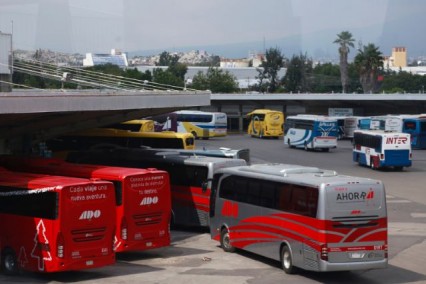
pixel 381 132
pixel 263 111
pixel 296 174
pixel 41 182
pixel 312 117
pixel 156 155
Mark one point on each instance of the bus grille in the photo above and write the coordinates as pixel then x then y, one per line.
pixel 148 219
pixel 355 222
pixel 88 235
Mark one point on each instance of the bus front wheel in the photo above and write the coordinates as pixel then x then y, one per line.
pixel 287 261
pixel 225 241
pixel 9 263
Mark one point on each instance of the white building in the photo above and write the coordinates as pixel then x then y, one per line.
pixel 116 57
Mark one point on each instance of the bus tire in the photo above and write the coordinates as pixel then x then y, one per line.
pixel 287 260
pixel 305 146
pixel 9 263
pixel 225 241
pixel 399 168
pixel 372 166
pixel 289 143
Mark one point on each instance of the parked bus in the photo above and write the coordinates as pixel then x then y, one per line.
pixel 379 149
pixel 413 124
pixel 265 123
pixel 340 126
pixel 220 153
pixel 201 124
pixel 352 123
pixel 110 138
pixel 142 198
pixel 54 223
pixel 310 132
pixel 190 176
pixel 136 125
pixel 303 217
pixel 416 127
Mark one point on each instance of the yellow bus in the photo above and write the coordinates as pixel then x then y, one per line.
pixel 265 123
pixel 113 138
pixel 136 125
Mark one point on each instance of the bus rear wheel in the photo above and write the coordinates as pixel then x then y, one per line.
pixel 287 260
pixel 9 263
pixel 225 241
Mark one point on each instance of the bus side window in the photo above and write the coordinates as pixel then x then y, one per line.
pixel 284 196
pixel 226 189
pixel 253 192
pixel 267 198
pixel 240 190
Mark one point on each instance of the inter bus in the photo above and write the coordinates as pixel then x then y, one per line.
pixel 190 176
pixel 265 123
pixel 304 217
pixel 142 198
pixel 310 132
pixel 55 223
pixel 110 138
pixel 379 149
pixel 201 124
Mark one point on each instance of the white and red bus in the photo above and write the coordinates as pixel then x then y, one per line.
pixel 142 198
pixel 55 223
pixel 190 176
pixel 380 149
pixel 304 217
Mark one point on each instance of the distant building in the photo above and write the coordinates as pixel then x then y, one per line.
pixel 116 57
pixel 397 59
pixel 234 63
pixel 5 62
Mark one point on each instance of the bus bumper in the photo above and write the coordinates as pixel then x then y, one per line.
pixel 347 266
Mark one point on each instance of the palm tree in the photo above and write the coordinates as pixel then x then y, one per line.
pixel 345 40
pixel 368 62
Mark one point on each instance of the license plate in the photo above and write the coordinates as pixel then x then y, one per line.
pixel 356 255
pixel 89 262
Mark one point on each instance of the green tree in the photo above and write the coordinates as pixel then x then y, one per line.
pixel 166 59
pixel 345 40
pixel 326 78
pixel 268 73
pixel 299 74
pixel 216 80
pixel 369 63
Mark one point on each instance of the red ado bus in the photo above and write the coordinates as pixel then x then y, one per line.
pixel 53 223
pixel 143 200
pixel 190 176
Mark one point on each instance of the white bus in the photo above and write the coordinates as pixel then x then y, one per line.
pixel 200 123
pixel 304 217
pixel 310 132
pixel 379 149
pixel 351 123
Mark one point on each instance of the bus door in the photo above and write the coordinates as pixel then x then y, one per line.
pixel 87 226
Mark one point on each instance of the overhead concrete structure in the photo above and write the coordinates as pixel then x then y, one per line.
pixel 27 117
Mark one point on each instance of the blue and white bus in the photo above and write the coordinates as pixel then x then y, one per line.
pixel 380 149
pixel 310 132
pixel 415 125
pixel 201 124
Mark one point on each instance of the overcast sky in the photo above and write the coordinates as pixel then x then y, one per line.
pixel 100 25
